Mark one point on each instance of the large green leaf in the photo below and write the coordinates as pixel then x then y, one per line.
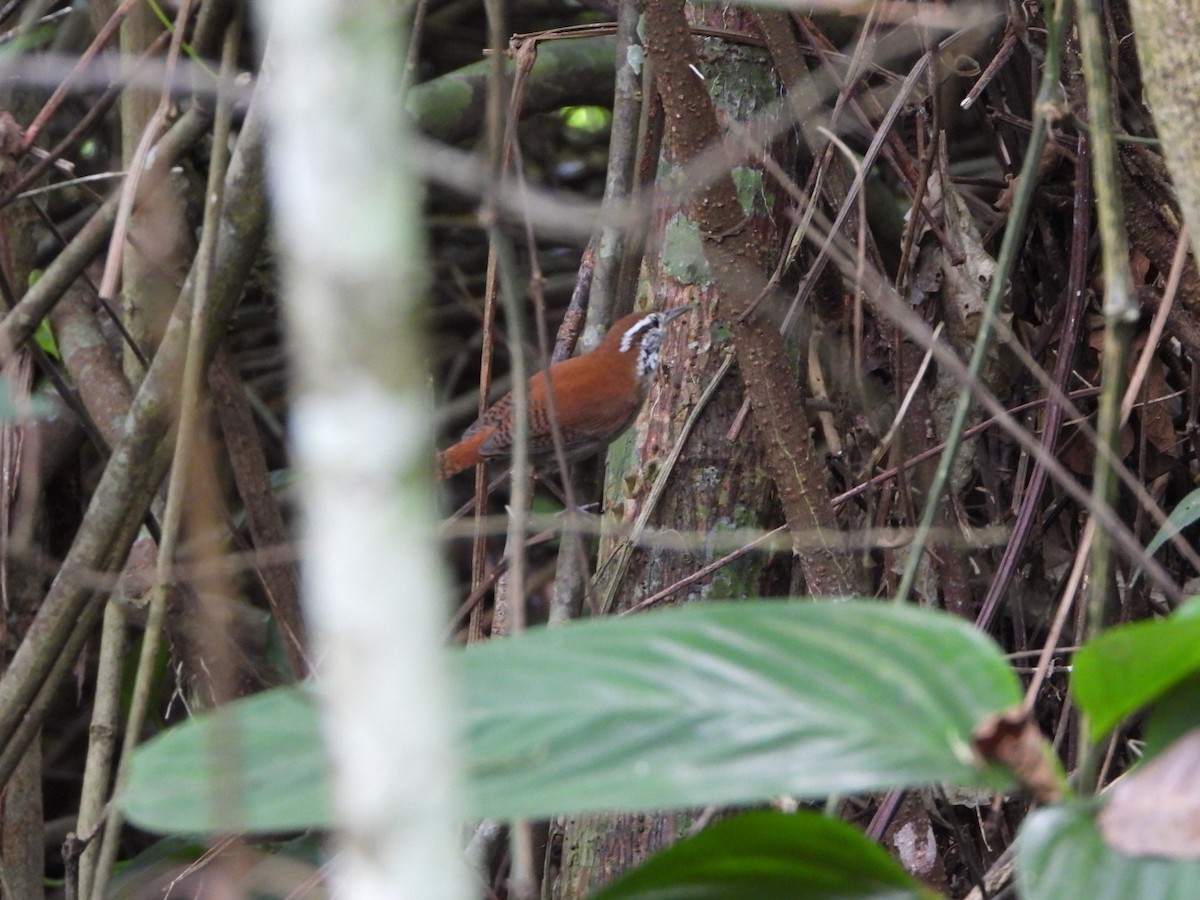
pixel 728 703
pixel 715 703
pixel 1130 666
pixel 770 856
pixel 1061 856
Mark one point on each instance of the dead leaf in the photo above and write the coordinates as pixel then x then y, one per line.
pixel 1078 452
pixel 1139 266
pixel 1155 417
pixel 1011 738
pixel 1155 810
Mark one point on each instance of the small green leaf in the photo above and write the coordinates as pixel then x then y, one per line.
pixel 588 119
pixel 1062 856
pixel 766 856
pixel 1185 513
pixel 1130 666
pixel 45 339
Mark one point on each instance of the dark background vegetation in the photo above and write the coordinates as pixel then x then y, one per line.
pixel 936 202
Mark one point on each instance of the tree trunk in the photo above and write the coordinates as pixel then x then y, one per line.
pixel 717 484
pixel 1170 57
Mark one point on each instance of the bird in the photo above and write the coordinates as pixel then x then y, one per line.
pixel 596 396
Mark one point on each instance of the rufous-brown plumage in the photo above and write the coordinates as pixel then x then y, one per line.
pixel 596 395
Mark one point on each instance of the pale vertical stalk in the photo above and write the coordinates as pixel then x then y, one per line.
pixel 348 225
pixel 142 252
pixel 102 737
pixel 611 238
pixel 508 615
pixel 1120 315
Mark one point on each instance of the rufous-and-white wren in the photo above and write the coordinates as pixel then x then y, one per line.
pixel 596 395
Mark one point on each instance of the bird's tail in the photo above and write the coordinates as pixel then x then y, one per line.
pixel 461 456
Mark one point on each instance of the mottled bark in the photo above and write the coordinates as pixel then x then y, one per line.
pixel 1170 57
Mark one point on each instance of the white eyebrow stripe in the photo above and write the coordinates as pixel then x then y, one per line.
pixel 637 328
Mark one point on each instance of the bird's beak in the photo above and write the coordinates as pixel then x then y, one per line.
pixel 670 314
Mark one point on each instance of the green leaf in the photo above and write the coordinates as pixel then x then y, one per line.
pixel 714 703
pixel 255 765
pixel 1130 666
pixel 729 703
pixel 768 855
pixel 1185 513
pixel 1175 713
pixel 591 120
pixel 1062 856
pixel 45 339
pixel 44 334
